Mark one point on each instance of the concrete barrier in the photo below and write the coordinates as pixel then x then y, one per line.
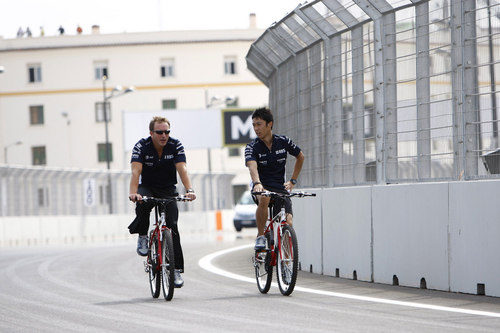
pixel 307 224
pixel 475 237
pixel 410 236
pixel 52 230
pixel 442 236
pixel 347 232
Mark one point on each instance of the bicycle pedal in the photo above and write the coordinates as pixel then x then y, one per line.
pixel 146 267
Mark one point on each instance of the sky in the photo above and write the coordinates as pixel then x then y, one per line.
pixel 116 16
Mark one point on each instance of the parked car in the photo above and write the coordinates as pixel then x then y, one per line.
pixel 244 212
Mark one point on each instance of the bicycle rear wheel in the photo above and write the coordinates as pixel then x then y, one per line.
pixel 154 272
pixel 167 265
pixel 263 268
pixel 287 260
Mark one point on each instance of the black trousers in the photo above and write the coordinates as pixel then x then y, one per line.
pixel 140 225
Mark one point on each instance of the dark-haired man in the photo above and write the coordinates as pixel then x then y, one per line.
pixel 265 158
pixel 156 160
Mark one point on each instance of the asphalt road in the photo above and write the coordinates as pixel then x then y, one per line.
pixel 103 288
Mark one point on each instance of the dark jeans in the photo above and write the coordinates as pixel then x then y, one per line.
pixel 140 225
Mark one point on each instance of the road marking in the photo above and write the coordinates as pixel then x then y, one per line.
pixel 206 263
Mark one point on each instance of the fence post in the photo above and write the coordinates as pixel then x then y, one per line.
pixel 423 91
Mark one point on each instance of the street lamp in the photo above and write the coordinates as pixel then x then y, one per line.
pixel 17 143
pixel 2 69
pixel 117 91
pixel 215 101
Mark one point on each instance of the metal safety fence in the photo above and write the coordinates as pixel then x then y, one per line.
pixel 384 91
pixel 29 191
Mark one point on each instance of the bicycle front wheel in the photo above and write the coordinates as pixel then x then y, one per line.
pixel 154 265
pixel 167 265
pixel 287 260
pixel 263 267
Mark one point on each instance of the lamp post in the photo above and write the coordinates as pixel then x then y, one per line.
pixel 218 102
pixel 7 147
pixel 117 91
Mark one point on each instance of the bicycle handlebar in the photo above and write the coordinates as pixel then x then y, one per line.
pixel 284 195
pixel 166 200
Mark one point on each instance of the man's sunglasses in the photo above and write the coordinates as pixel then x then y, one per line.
pixel 162 132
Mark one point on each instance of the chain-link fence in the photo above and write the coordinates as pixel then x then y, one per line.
pixel 26 191
pixel 381 91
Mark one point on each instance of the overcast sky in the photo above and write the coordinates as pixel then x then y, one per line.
pixel 137 15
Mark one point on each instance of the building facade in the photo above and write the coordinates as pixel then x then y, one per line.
pixel 52 92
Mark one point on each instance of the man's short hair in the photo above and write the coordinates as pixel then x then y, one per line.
pixel 159 120
pixel 264 114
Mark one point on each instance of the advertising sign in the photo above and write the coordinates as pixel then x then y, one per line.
pixel 237 127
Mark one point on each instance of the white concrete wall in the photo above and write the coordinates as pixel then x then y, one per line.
pixel 475 236
pixel 347 232
pixel 447 233
pixel 309 230
pixel 410 234
pixel 51 230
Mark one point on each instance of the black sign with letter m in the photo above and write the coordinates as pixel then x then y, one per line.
pixel 237 126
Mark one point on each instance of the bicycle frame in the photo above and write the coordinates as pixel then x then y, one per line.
pixel 273 225
pixel 158 228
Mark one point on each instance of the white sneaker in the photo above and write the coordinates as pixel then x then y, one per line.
pixel 178 281
pixel 142 245
pixel 260 243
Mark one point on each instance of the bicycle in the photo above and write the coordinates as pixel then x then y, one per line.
pixel 160 263
pixel 285 256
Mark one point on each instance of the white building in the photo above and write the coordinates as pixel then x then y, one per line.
pixel 51 92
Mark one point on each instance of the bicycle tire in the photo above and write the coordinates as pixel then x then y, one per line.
pixel 287 260
pixel 167 265
pixel 263 268
pixel 154 273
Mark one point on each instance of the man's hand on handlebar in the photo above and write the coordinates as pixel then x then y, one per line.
pixel 258 188
pixel 190 195
pixel 134 197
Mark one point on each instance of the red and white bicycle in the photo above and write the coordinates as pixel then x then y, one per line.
pixel 282 249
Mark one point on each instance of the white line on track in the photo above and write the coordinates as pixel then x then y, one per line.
pixel 206 263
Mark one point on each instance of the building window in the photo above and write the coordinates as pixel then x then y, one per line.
pixel 348 119
pixel 34 73
pixel 167 67
pixel 100 69
pixel 234 151
pixel 230 65
pixel 36 114
pixel 169 104
pixel 101 152
pixel 38 155
pixel 99 112
pixel 43 197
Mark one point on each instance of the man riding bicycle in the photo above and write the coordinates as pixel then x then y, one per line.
pixel 155 161
pixel 265 158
